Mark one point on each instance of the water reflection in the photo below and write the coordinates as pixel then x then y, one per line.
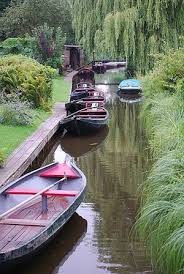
pixel 112 76
pixel 114 173
pixel 78 146
pixel 130 98
pixel 114 170
pixel 106 91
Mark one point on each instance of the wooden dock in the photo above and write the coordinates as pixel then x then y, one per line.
pixel 24 155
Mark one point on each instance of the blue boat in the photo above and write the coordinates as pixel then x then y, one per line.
pixel 129 86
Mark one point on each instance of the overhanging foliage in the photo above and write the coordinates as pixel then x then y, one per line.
pixel 132 29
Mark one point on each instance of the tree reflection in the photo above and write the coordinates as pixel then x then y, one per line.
pixel 114 173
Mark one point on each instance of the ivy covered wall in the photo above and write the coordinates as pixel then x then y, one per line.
pixel 132 29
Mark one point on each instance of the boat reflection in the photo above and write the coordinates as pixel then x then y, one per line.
pixel 130 98
pixel 78 146
pixel 58 251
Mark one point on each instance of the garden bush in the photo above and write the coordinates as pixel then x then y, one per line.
pixel 167 72
pixel 14 112
pixel 17 45
pixel 2 157
pixel 45 44
pixel 163 108
pixel 26 77
pixel 48 44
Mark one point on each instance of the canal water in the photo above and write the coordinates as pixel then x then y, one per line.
pixel 97 239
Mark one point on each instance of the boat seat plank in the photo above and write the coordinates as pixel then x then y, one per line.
pixel 92 110
pixel 17 230
pixel 92 116
pixel 24 232
pixel 92 113
pixel 29 231
pixel 16 191
pixel 92 100
pixel 24 222
pixel 6 230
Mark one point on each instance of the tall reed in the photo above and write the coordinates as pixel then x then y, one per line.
pixel 161 217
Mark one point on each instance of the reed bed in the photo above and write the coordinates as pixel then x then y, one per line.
pixel 160 221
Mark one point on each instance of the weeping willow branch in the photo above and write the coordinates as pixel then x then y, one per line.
pixel 133 29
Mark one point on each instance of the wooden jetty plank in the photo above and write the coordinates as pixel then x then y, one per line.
pixel 34 139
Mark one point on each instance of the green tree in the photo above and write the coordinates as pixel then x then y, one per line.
pixel 3 5
pixel 23 16
pixel 46 45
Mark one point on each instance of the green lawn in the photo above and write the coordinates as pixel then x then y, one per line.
pixel 12 136
pixel 61 89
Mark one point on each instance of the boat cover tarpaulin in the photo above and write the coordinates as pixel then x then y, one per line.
pixel 60 171
pixel 130 83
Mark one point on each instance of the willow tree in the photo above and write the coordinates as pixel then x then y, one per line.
pixel 135 29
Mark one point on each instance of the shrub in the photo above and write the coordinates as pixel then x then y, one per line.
pixel 48 44
pixel 15 112
pixel 25 76
pixel 167 72
pixel 17 45
pixel 2 157
pixel 45 44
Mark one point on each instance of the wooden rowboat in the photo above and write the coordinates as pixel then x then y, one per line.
pixel 91 101
pixel 35 207
pixel 99 67
pixel 82 92
pixel 85 121
pixel 83 75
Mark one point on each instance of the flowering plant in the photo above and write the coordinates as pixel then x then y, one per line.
pixel 48 45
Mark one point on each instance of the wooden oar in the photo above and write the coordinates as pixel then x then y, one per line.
pixel 11 210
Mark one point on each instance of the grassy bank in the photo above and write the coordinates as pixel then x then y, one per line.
pixel 12 136
pixel 161 218
pixel 61 89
